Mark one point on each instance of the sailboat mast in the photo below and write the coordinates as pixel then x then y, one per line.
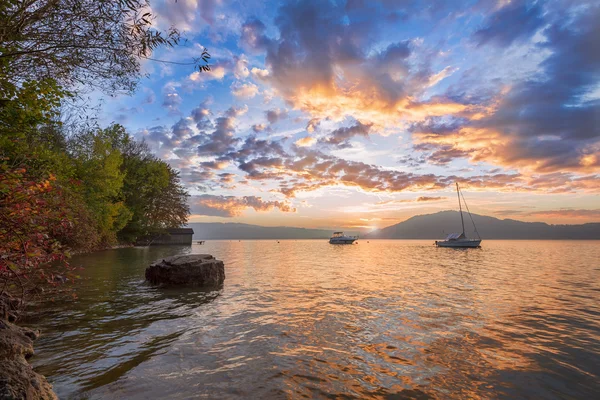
pixel 462 221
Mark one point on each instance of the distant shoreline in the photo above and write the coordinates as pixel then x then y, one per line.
pixel 367 239
pixel 421 227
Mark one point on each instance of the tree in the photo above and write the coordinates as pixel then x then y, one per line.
pixel 98 162
pixel 152 190
pixel 59 191
pixel 33 215
pixel 84 43
pixel 145 179
pixel 169 208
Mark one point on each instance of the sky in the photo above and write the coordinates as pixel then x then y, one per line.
pixel 362 113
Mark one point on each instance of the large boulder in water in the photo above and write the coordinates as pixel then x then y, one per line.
pixel 190 269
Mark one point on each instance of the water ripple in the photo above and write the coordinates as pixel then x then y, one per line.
pixel 304 319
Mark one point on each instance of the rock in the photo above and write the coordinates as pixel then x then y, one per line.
pixel 8 308
pixel 191 269
pixel 17 379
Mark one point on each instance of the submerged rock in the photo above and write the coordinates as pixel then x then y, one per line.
pixel 190 269
pixel 17 379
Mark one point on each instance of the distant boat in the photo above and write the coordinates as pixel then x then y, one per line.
pixel 340 238
pixel 460 239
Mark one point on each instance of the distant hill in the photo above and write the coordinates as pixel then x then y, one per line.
pixel 430 226
pixel 436 226
pixel 235 231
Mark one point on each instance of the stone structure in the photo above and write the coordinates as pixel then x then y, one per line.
pixel 191 269
pixel 176 236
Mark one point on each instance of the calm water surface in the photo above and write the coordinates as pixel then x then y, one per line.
pixel 384 319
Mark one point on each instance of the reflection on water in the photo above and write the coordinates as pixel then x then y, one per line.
pixel 384 319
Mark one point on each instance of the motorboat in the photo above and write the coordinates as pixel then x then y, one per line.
pixel 460 240
pixel 340 238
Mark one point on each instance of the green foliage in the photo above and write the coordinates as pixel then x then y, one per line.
pixel 109 188
pixel 98 166
pixel 130 192
pixel 169 208
pixel 24 109
pixel 151 189
pixel 156 197
pixel 84 190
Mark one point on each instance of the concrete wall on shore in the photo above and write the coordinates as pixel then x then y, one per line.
pixel 182 236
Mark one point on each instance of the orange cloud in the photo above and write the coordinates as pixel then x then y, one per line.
pixel 305 141
pixel 231 206
pixel 587 215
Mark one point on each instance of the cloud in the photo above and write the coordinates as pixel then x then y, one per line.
pixel 244 90
pixel 259 127
pixel 517 20
pixel 275 115
pixel 313 124
pixel 150 97
pixel 443 74
pixel 183 15
pixel 431 198
pixel 268 95
pixel 300 169
pixel 305 141
pixel 331 61
pixel 418 199
pixel 171 99
pixel 219 68
pixel 231 206
pixel 260 73
pixel 326 59
pixel 201 116
pixel 182 129
pixel 227 178
pixel 240 69
pixel 253 35
pixel 340 137
pixel 563 213
pixel 221 140
pixel 540 124
pixel 217 72
pixel 207 10
pixel 321 64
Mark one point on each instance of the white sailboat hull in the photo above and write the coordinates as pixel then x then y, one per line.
pixel 465 243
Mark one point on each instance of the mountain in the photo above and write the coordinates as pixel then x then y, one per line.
pixel 430 226
pixel 438 225
pixel 235 231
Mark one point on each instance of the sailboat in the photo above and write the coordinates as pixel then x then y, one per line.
pixel 460 239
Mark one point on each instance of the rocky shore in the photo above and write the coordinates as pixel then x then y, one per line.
pixel 18 380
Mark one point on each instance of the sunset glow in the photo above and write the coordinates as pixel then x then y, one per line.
pixel 357 114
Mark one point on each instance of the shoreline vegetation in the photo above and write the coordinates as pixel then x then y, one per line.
pixel 67 184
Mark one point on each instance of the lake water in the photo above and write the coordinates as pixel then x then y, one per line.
pixel 305 319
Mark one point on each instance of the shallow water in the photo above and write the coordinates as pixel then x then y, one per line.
pixel 379 319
